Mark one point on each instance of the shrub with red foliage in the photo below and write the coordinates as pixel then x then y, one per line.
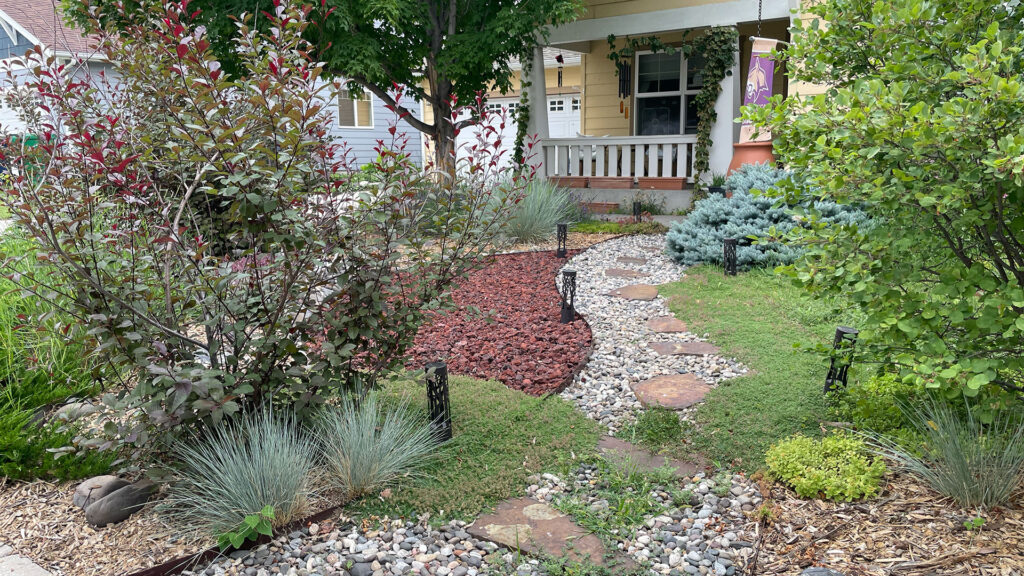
pixel 516 337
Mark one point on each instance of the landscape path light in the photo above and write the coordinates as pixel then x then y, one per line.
pixel 437 400
pixel 568 296
pixel 562 234
pixel 729 256
pixel 842 357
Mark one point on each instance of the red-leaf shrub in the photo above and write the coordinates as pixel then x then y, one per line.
pixel 207 231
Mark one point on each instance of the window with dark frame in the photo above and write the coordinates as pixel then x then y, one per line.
pixel 667 85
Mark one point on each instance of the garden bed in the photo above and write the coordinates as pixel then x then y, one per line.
pixel 517 337
pixel 908 529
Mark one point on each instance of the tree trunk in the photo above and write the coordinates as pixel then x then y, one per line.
pixel 444 141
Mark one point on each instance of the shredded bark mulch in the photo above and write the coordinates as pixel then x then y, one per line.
pixel 908 530
pixel 516 337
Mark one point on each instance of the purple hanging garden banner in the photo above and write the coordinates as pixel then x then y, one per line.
pixel 759 85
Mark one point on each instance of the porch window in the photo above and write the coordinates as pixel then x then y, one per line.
pixel 664 101
pixel 354 112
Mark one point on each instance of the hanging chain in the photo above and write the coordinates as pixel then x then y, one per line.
pixel 760 4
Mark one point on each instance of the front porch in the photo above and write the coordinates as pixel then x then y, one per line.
pixel 620 162
pixel 642 133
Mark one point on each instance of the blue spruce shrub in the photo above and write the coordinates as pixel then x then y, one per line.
pixel 698 239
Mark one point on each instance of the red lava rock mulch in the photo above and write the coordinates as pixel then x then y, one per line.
pixel 517 339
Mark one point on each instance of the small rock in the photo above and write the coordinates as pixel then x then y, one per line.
pixel 120 504
pixel 96 488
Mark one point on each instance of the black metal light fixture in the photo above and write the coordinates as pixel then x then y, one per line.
pixel 842 357
pixel 636 212
pixel 562 233
pixel 568 296
pixel 729 256
pixel 437 401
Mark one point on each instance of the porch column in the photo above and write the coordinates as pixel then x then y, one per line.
pixel 537 94
pixel 722 133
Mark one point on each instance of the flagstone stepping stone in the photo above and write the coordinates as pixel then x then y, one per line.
pixel 536 528
pixel 632 260
pixel 666 324
pixel 674 391
pixel 683 348
pixel 623 273
pixel 636 292
pixel 620 451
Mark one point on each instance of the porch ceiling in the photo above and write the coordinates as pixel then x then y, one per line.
pixel 578 35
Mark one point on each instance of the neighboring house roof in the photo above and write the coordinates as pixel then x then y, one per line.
pixel 40 22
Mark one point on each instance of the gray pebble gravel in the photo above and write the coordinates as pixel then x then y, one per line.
pixel 712 535
pixel 621 356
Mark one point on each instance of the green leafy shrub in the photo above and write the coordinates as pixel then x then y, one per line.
pixel 974 463
pixel 316 281
pixel 906 130
pixel 873 403
pixel 747 216
pixel 837 467
pixel 367 444
pixel 240 467
pixel 542 207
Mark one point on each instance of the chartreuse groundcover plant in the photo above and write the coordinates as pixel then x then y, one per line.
pixel 838 466
pixel 921 124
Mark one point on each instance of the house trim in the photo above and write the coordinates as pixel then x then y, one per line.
pixel 646 23
pixel 11 27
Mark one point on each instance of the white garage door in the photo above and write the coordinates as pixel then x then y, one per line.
pixel 563 122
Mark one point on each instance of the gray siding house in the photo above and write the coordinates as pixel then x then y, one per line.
pixel 360 123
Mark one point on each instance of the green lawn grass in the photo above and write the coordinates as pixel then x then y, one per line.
pixel 38 369
pixel 758 318
pixel 610 227
pixel 501 436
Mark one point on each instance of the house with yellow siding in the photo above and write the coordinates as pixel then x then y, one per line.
pixel 645 135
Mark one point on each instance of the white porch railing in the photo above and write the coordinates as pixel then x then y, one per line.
pixel 620 156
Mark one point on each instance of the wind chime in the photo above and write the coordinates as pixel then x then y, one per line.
pixel 625 70
pixel 561 63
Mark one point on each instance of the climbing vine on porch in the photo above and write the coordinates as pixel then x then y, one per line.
pixel 718 46
pixel 523 111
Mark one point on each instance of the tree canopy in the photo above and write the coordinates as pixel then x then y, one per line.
pixel 437 49
pixel 922 124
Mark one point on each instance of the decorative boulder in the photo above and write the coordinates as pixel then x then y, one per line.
pixel 120 504
pixel 96 488
pixel 74 411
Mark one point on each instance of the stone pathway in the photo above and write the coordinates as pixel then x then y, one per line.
pixel 536 528
pixel 700 526
pixel 643 356
pixel 619 451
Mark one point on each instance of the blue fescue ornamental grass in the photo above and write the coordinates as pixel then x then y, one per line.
pixel 974 463
pixel 543 206
pixel 238 469
pixel 367 444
